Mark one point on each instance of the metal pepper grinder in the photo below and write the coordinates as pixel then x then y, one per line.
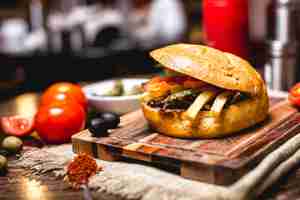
pixel 281 67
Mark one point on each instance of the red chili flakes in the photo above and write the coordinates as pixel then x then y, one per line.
pixel 81 169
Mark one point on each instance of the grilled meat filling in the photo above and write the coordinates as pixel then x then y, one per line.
pixel 181 101
pixel 177 101
pixel 178 93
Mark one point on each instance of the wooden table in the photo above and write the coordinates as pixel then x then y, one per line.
pixel 17 185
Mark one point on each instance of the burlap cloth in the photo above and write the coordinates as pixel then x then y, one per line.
pixel 120 180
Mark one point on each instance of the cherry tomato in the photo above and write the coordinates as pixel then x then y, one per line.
pixel 58 121
pixel 17 125
pixel 70 91
pixel 294 95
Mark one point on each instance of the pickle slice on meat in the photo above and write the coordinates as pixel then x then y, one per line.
pixel 181 95
pixel 220 102
pixel 198 104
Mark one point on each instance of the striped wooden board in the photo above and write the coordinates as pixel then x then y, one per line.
pixel 217 161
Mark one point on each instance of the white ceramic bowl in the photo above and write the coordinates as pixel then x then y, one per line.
pixel 118 104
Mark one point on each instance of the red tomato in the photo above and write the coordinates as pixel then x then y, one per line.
pixel 58 121
pixel 17 125
pixel 71 91
pixel 50 97
pixel 294 95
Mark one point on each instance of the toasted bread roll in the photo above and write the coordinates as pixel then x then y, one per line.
pixel 210 65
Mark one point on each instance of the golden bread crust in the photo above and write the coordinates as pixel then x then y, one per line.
pixel 234 118
pixel 210 65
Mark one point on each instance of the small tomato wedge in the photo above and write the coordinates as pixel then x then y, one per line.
pixel 17 125
pixel 294 95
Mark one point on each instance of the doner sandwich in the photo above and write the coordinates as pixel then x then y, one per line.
pixel 206 93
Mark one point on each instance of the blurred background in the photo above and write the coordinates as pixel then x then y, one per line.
pixel 44 41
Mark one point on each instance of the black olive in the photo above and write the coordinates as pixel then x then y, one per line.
pixel 98 127
pixel 101 122
pixel 4 152
pixel 111 119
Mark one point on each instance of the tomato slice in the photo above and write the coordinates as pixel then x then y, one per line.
pixel 17 125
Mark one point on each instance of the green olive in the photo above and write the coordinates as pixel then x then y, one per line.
pixel 3 163
pixel 116 90
pixel 12 144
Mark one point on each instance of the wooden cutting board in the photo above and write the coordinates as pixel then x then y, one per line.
pixel 217 161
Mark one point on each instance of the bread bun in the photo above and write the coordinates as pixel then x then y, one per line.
pixel 210 65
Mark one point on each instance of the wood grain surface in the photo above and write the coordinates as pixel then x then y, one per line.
pixel 218 161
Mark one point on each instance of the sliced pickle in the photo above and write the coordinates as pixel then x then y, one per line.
pixel 220 102
pixel 181 95
pixel 198 104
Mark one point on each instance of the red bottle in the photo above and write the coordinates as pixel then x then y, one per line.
pixel 226 25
